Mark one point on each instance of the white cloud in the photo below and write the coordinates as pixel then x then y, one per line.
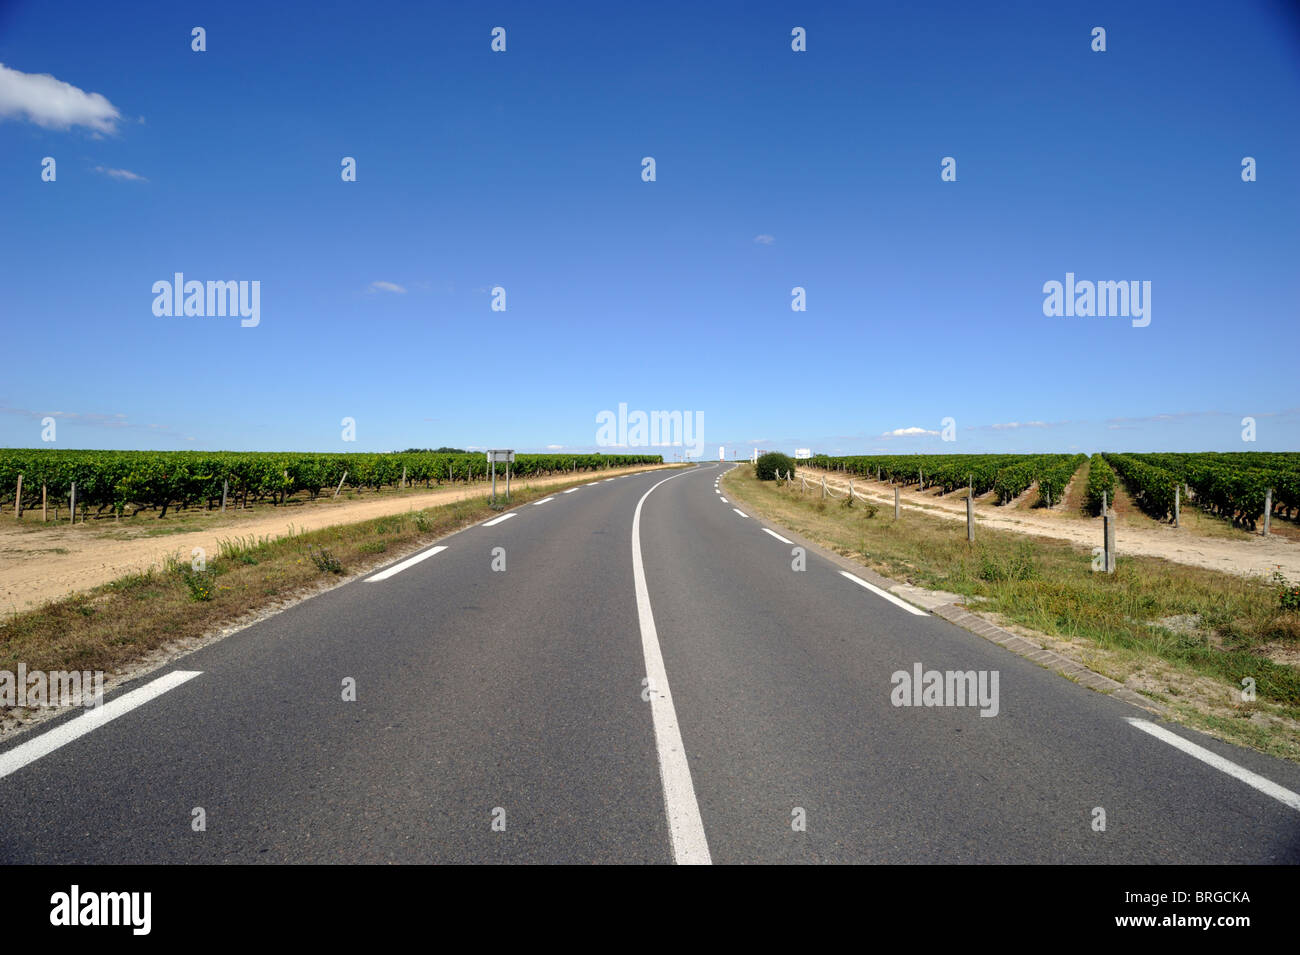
pixel 1013 425
pixel 554 447
pixel 41 99
pixel 1169 417
pixel 387 287
pixel 116 420
pixel 906 432
pixel 121 174
pixel 764 239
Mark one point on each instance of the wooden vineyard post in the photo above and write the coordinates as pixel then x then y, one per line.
pixel 225 489
pixel 970 519
pixel 1177 495
pixel 1108 541
pixel 72 502
pixel 44 512
pixel 18 499
pixel 895 502
pixel 1268 509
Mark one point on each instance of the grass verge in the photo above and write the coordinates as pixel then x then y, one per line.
pixel 1186 636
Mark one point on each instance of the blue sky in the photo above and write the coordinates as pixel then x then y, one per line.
pixel 775 169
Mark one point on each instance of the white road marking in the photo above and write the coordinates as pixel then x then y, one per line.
pixel 607 480
pixel 685 827
pixel 570 490
pixel 409 562
pixel 592 484
pixel 544 500
pixel 736 509
pixel 886 594
pixel 18 757
pixel 724 501
pixel 1266 786
pixel 768 530
pixel 497 520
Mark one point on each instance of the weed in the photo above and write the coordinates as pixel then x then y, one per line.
pixel 324 560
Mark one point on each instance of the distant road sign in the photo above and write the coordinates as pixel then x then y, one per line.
pixel 802 454
pixel 500 456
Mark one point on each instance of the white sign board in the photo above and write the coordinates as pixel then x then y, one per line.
pixel 500 456
pixel 722 453
pixel 802 454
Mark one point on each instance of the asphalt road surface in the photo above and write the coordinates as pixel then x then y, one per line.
pixel 649 679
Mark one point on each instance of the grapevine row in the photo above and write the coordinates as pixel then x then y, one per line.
pixel 1233 485
pixel 121 480
pixel 1008 474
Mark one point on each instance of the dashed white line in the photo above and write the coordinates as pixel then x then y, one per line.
pixel 544 500
pixel 570 490
pixel 65 733
pixel 1269 788
pixel 724 501
pixel 497 520
pixel 409 562
pixel 768 530
pixel 685 827
pixel 592 484
pixel 886 594
pixel 737 510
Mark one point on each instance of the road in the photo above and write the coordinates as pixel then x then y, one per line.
pixel 503 716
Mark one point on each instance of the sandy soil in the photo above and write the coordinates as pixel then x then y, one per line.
pixel 1244 555
pixel 34 571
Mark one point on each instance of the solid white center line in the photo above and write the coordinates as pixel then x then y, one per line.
pixel 1266 786
pixel 65 733
pixel 886 594
pixel 409 562
pixel 768 530
pixel 685 827
pixel 736 509
pixel 497 520
pixel 544 500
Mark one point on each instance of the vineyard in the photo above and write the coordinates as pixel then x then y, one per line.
pixel 1009 475
pixel 126 482
pixel 1232 485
